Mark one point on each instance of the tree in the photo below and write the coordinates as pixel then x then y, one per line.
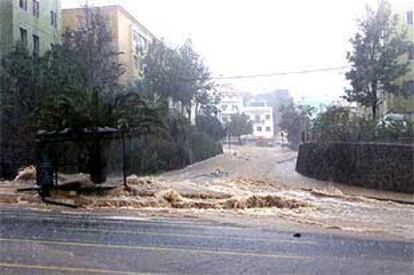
pixel 376 67
pixel 159 79
pixel 334 124
pixel 211 126
pixel 20 94
pixel 86 69
pixel 179 75
pixel 239 125
pixel 295 120
pixel 196 80
pixel 76 86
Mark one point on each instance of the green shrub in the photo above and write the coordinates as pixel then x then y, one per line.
pixel 204 146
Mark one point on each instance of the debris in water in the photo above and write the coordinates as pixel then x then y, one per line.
pixel 218 173
pixel 205 195
pixel 262 202
pixel 171 196
pixel 135 180
pixel 328 192
pixel 27 173
pixel 297 235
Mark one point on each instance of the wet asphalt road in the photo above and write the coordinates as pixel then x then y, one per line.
pixel 55 243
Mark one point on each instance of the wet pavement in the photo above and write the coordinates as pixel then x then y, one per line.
pixel 33 242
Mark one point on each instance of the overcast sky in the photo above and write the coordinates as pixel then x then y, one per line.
pixel 244 37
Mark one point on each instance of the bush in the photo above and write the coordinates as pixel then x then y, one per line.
pixel 182 145
pixel 211 126
pixel 337 125
pixel 204 146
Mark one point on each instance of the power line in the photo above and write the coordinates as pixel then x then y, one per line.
pixel 280 73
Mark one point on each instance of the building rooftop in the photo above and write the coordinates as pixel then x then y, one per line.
pixel 120 9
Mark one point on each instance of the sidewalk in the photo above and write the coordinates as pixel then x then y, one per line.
pixel 286 173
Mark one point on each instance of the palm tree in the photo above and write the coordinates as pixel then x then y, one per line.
pixel 78 110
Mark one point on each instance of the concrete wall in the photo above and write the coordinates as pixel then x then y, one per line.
pixel 379 166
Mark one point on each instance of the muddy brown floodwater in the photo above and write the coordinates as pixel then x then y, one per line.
pixel 258 184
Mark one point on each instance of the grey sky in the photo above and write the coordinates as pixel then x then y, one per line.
pixel 260 36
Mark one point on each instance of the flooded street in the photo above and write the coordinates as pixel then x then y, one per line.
pixel 251 170
pixel 254 185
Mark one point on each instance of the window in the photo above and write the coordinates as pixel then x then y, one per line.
pixel 136 62
pixel 234 108
pixel 224 107
pixel 411 53
pixel 267 116
pixel 410 18
pixel 36 45
pixel 140 43
pixel 257 118
pixel 23 4
pixel 259 128
pixel 135 42
pixel 258 104
pixel 23 36
pixel 267 129
pixel 36 7
pixel 143 44
pixel 53 18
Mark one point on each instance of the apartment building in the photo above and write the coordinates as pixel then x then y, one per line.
pixel 34 22
pixel 397 104
pixel 37 24
pixel 130 37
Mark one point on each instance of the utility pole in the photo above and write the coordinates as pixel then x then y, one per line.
pixel 228 139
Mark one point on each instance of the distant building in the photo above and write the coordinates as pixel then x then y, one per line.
pixel 230 104
pixel 258 111
pixel 262 117
pixel 276 99
pixel 130 37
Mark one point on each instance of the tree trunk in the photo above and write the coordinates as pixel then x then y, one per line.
pixel 196 111
pixel 189 113
pixel 375 101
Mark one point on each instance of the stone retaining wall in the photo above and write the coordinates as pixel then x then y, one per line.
pixel 372 165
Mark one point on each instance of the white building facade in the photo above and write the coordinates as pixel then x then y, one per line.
pixel 230 104
pixel 262 118
pixel 258 112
